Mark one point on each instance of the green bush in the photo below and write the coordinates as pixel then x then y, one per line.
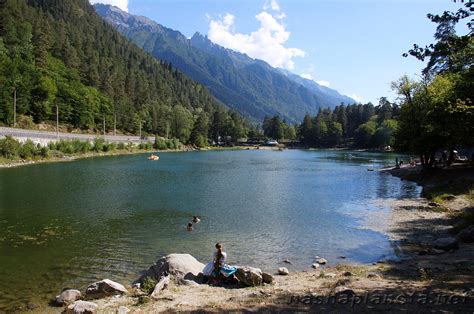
pixel 121 146
pixel 43 152
pixel 25 122
pixel 65 146
pixel 174 144
pixel 145 146
pixel 9 147
pixel 108 147
pixel 28 150
pixel 160 143
pixel 81 146
pixel 98 144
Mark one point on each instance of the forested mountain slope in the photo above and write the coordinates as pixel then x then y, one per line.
pixel 61 53
pixel 252 87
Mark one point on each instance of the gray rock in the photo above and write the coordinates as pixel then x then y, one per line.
pixel 105 288
pixel 267 278
pixel 123 310
pixel 315 265
pixel 283 271
pixel 466 235
pixel 189 283
pixel 161 285
pixel 249 275
pixel 447 243
pixel 330 275
pixel 321 261
pixel 287 261
pixel 179 266
pixel 82 307
pixel 68 296
pixel 373 275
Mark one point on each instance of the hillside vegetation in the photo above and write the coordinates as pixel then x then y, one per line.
pixel 62 54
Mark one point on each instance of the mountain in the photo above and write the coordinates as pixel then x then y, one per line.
pixel 329 94
pixel 252 87
pixel 61 53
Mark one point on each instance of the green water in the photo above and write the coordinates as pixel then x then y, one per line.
pixel 69 224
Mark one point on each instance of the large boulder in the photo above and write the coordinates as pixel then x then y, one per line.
pixel 67 296
pixel 447 243
pixel 82 307
pixel 179 266
pixel 249 275
pixel 105 288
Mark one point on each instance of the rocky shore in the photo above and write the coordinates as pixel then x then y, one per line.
pixel 434 274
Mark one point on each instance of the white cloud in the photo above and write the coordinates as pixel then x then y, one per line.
pixel 122 4
pixel 356 98
pixel 266 43
pixel 271 4
pixel 308 76
pixel 324 83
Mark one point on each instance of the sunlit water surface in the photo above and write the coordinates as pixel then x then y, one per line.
pixel 69 224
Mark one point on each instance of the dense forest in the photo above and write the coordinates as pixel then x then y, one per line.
pixel 357 125
pixel 60 54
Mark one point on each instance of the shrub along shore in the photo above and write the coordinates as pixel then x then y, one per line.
pixel 14 153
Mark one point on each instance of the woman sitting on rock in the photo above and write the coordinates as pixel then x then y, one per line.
pixel 218 268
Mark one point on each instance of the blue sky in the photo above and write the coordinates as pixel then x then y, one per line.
pixel 353 46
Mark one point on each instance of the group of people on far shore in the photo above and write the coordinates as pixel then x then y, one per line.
pixel 195 220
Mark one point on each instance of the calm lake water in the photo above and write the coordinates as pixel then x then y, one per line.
pixel 69 224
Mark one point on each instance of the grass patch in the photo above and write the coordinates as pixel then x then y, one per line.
pixel 149 284
pixel 355 270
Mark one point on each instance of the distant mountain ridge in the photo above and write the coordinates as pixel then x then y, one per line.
pixel 251 87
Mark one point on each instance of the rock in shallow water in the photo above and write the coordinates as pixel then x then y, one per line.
pixel 82 307
pixel 105 288
pixel 321 261
pixel 283 271
pixel 249 275
pixel 68 296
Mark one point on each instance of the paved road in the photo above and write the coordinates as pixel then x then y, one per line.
pixel 46 136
